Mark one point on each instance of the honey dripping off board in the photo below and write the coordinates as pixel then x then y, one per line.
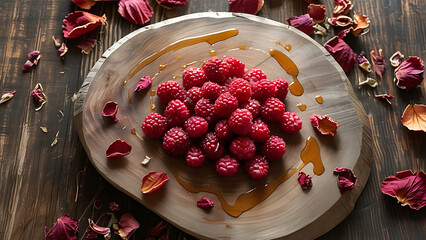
pixel 174 202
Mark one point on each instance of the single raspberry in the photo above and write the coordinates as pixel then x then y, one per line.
pixel 291 123
pixel 272 110
pixel 211 90
pixel 211 146
pixel 257 167
pixel 169 91
pixel 176 113
pixel 263 90
pixel 193 77
pixel 240 89
pixel 195 156
pixel 176 141
pixel 254 75
pixel 240 121
pixel 236 67
pixel 273 148
pixel 225 104
pixel 223 131
pixel 196 126
pixel 154 125
pixel 227 166
pixel 253 106
pixel 204 108
pixel 259 131
pixel 242 148
pixel 216 70
pixel 193 95
pixel 282 88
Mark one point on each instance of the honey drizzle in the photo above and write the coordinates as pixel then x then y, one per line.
pixel 241 47
pixel 209 38
pixel 319 99
pixel 301 106
pixel 212 52
pixel 290 67
pixel 130 96
pixel 295 87
pixel 151 96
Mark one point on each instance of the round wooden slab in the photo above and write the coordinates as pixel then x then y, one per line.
pixel 289 211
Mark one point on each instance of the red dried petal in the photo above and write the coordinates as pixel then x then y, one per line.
pixel 156 230
pixel 378 62
pixel 303 22
pixel 28 65
pixel 346 180
pixel 110 110
pixel 65 228
pixel 409 74
pixel 414 117
pixel 361 22
pixel 396 59
pixel 136 11
pixel 128 225
pixel 341 21
pixel 363 62
pixel 143 83
pixel 324 124
pixel 97 204
pixel 113 206
pixel 342 7
pixel 38 94
pixel 205 203
pixel 408 187
pixel 171 3
pixel 86 45
pixel 341 52
pixel 118 148
pixel 7 96
pixel 317 12
pixel 34 56
pixel 245 6
pixel 62 50
pixel 97 229
pixel 386 97
pixel 153 181
pixel 305 181
pixel 79 22
pixel 84 4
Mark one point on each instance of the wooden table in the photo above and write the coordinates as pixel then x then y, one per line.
pixel 40 182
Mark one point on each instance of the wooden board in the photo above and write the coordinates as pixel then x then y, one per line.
pixel 288 212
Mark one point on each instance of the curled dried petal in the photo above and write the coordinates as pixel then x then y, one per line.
pixel 346 180
pixel 110 110
pixel 245 6
pixel 378 62
pixel 65 228
pixel 341 21
pixel 143 83
pixel 361 24
pixel 342 7
pixel 305 181
pixel 62 50
pixel 324 124
pixel 56 41
pixel 136 11
pixel 409 74
pixel 84 4
pixel 386 97
pixel 153 181
pixel 396 59
pixel 369 81
pixel 128 225
pixel 171 3
pixel 7 96
pixel 363 62
pixel 118 148
pixel 341 52
pixel 28 65
pixel 97 229
pixel 86 45
pixel 78 23
pixel 317 12
pixel 39 96
pixel 320 30
pixel 113 206
pixel 34 56
pixel 414 117
pixel 303 22
pixel 205 203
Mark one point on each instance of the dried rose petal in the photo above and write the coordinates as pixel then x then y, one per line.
pixel 396 59
pixel 56 41
pixel 84 4
pixel 128 225
pixel 369 81
pixel 156 230
pixel 118 148
pixel 409 74
pixel 407 187
pixel 363 62
pixel 28 65
pixel 245 6
pixel 414 117
pixel 386 97
pixel 97 204
pixel 136 11
pixel 303 22
pixel 320 30
pixel 342 7
pixel 153 181
pixel 171 3
pixel 78 23
pixel 86 45
pixel 305 181
pixel 62 50
pixel 317 12
pixel 65 228
pixel 346 180
pixel 205 203
pixel 34 56
pixel 341 52
pixel 341 21
pixel 110 110
pixel 7 96
pixel 378 62
pixel 97 229
pixel 143 83
pixel 324 124
pixel 361 23
pixel 342 32
pixel 113 206
pixel 39 96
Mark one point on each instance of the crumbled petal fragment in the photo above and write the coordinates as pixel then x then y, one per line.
pixel 7 96
pixel 156 230
pixel 341 52
pixel 317 12
pixel 55 140
pixel 303 22
pixel 172 3
pixel 245 6
pixel 128 225
pixel 324 124
pixel 62 50
pixel 39 96
pixel 342 7
pixel 65 228
pixel 153 181
pixel 43 129
pixel 97 204
pixel 110 110
pixel 28 65
pixel 378 62
pixel 79 22
pixel 396 59
pixel 369 81
pixel 409 74
pixel 341 21
pixel 97 229
pixel 408 187
pixel 363 62
pixel 143 83
pixel 84 4
pixel 361 24
pixel 386 97
pixel 205 203
pixel 320 30
pixel 86 45
pixel 305 181
pixel 113 206
pixel 346 180
pixel 56 41
pixel 146 160
pixel 118 148
pixel 414 117
pixel 136 11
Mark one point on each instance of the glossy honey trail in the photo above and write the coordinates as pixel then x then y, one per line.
pixel 290 67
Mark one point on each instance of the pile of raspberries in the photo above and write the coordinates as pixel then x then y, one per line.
pixel 221 113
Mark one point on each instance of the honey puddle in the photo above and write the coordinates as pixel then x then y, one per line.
pixel 319 99
pixel 301 106
pixel 290 67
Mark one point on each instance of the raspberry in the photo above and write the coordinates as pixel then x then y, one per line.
pixel 211 146
pixel 273 148
pixel 194 94
pixel 176 113
pixel 205 109
pixel 240 89
pixel 154 125
pixel 253 106
pixel 236 67
pixel 263 90
pixel 196 126
pixel 291 123
pixel 257 167
pixel 176 141
pixel 242 148
pixel 193 77
pixel 211 90
pixel 225 104
pixel 282 88
pixel 240 121
pixel 272 110
pixel 216 70
pixel 223 131
pixel 254 75
pixel 195 156
pixel 227 166
pixel 259 131
pixel 169 91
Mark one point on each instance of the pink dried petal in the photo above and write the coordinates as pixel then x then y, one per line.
pixel 78 23
pixel 205 203
pixel 97 204
pixel 28 65
pixel 156 230
pixel 84 4
pixel 171 3
pixel 97 229
pixel 62 50
pixel 153 181
pixel 361 23
pixel 34 56
pixel 407 187
pixel 7 96
pixel 245 6
pixel 363 62
pixel 118 148
pixel 342 7
pixel 136 11
pixel 324 124
pixel 317 12
pixel 303 22
pixel 396 59
pixel 378 62
pixel 143 83
pixel 65 228
pixel 110 110
pixel 305 181
pixel 128 225
pixel 342 32
pixel 341 52
pixel 113 206
pixel 386 97
pixel 38 94
pixel 409 74
pixel 341 21
pixel 346 180
pixel 86 45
